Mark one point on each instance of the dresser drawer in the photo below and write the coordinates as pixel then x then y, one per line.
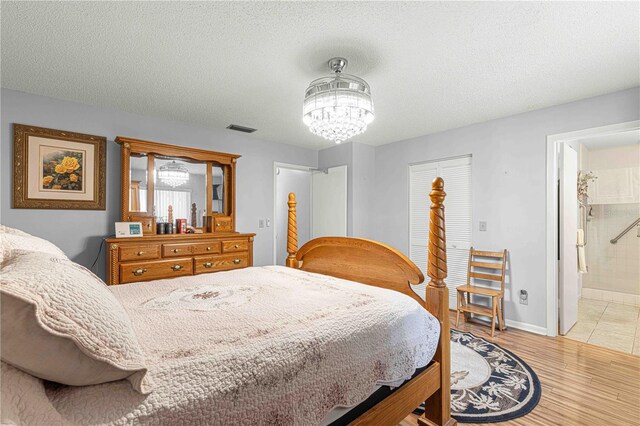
pixel 139 252
pixel 222 224
pixel 176 250
pixel 212 247
pixel 145 271
pixel 235 245
pixel 220 263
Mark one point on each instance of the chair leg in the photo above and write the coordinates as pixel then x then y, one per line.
pixel 500 316
pixel 467 315
pixel 502 311
pixel 458 310
pixel 493 317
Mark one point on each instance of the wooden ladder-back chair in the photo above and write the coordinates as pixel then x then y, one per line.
pixel 477 261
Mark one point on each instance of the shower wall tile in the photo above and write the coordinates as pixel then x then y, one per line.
pixel 614 269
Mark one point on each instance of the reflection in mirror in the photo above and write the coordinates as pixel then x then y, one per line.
pixel 217 181
pixel 181 186
pixel 138 183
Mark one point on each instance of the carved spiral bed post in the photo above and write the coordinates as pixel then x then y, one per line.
pixel 292 232
pixel 438 409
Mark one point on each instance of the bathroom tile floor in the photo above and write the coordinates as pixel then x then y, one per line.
pixel 608 324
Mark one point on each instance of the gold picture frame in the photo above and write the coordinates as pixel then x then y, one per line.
pixel 55 169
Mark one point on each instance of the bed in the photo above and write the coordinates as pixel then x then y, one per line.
pixel 296 345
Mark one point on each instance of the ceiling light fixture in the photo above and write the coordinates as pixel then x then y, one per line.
pixel 173 174
pixel 338 107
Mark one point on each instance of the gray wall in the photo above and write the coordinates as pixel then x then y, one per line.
pixel 509 172
pixel 364 190
pixel 78 232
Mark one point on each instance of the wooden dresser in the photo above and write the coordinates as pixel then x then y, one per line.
pixel 165 256
pixel 161 183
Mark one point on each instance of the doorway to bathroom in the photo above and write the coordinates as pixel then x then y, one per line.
pixel 597 237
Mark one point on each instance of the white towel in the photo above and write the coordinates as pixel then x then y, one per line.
pixel 582 260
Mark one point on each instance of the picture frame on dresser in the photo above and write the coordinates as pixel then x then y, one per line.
pixel 196 179
pixel 58 169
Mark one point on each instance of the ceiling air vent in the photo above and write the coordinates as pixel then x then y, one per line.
pixel 238 128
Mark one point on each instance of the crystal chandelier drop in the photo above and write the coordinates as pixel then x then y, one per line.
pixel 338 107
pixel 173 174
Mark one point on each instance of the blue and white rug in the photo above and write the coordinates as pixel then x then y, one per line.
pixel 489 384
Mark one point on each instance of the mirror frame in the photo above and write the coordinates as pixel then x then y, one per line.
pixel 212 159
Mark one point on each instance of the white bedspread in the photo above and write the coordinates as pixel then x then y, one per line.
pixel 266 346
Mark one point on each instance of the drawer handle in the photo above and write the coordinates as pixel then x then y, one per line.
pixel 207 264
pixel 236 246
pixel 176 267
pixel 140 253
pixel 236 261
pixel 175 250
pixel 138 272
pixel 208 248
pixel 218 224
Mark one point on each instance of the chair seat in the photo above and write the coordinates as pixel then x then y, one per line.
pixel 474 289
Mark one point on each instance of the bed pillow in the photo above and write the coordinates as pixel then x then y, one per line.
pixel 13 241
pixel 62 323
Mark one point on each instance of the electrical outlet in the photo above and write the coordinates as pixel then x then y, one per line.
pixel 268 223
pixel 483 225
pixel 261 223
pixel 524 297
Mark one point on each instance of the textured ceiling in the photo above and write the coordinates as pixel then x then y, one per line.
pixel 431 66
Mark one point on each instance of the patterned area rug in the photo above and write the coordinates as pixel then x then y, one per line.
pixel 489 384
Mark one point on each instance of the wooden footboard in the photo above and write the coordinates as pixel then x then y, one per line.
pixel 374 263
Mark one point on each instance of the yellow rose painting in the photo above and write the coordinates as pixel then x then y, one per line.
pixel 62 170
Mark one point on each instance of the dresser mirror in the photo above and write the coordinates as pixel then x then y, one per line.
pixel 162 183
pixel 138 183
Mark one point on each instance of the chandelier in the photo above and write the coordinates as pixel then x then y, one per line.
pixel 338 107
pixel 173 174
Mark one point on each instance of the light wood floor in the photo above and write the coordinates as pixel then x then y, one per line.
pixel 582 384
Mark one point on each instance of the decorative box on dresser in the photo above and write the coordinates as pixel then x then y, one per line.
pixel 215 247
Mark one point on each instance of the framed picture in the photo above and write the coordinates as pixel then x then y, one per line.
pixel 54 169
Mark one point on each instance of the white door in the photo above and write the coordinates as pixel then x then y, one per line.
pixel 457 184
pixel 297 181
pixel 329 203
pixel 568 217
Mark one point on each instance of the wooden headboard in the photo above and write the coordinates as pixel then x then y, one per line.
pixel 360 260
pixel 371 262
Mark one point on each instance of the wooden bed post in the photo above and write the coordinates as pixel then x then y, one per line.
pixel 292 233
pixel 437 407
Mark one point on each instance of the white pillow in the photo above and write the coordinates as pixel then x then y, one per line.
pixel 62 323
pixel 13 241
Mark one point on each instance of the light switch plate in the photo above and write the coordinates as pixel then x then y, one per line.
pixel 483 225
pixel 261 223
pixel 268 223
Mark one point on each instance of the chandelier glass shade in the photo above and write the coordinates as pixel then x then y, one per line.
pixel 339 107
pixel 173 174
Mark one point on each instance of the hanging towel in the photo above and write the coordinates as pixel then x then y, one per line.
pixel 582 260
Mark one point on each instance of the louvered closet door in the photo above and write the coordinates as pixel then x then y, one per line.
pixel 457 178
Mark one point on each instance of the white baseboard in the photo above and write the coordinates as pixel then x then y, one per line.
pixel 516 324
pixel 527 327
